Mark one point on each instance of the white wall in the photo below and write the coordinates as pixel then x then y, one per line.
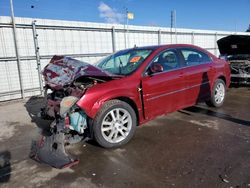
pixel 79 39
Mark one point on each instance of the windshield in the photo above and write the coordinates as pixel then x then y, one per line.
pixel 123 62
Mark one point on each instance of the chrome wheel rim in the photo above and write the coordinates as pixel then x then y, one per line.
pixel 116 125
pixel 219 93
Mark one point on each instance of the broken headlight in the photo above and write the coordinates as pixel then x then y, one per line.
pixel 66 104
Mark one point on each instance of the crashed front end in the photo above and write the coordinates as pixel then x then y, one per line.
pixel 236 50
pixel 66 81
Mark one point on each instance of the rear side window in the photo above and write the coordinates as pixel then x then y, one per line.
pixel 194 57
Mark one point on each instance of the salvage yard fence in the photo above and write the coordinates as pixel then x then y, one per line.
pixel 38 40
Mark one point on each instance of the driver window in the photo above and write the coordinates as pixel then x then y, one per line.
pixel 168 60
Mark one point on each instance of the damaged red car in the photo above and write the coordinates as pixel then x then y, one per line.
pixel 106 101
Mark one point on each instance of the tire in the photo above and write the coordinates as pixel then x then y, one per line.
pixel 110 131
pixel 218 94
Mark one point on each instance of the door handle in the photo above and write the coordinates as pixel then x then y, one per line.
pixel 212 68
pixel 181 75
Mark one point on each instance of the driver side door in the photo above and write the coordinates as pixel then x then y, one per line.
pixel 163 91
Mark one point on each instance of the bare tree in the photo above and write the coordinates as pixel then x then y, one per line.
pixel 248 30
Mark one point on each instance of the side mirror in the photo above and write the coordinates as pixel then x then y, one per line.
pixel 155 68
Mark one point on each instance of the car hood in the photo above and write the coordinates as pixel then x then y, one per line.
pixel 62 71
pixel 234 45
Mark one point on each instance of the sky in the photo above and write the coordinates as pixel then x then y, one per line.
pixel 228 15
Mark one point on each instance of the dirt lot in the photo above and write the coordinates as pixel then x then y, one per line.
pixel 195 147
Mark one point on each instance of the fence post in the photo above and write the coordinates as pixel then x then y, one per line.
pixel 192 39
pixel 159 37
pixel 35 35
pixel 176 37
pixel 17 50
pixel 171 36
pixel 113 39
pixel 215 44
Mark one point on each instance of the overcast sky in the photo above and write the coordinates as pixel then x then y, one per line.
pixel 211 14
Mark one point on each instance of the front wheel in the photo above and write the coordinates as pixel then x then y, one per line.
pixel 218 94
pixel 114 125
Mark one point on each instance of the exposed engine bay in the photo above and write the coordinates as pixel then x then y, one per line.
pixel 240 71
pixel 236 50
pixel 77 89
pixel 66 81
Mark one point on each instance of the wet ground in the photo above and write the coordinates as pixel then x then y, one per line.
pixel 195 147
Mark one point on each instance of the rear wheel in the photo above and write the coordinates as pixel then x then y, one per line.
pixel 218 94
pixel 115 124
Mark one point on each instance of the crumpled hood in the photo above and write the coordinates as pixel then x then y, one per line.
pixel 234 45
pixel 62 71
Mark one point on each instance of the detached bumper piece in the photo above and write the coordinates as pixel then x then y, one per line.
pixel 50 150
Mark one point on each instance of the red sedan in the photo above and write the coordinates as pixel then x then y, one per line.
pixel 106 101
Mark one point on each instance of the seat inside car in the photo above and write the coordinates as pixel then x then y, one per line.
pixel 168 61
pixel 193 59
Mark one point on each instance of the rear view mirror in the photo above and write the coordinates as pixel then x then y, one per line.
pixel 155 68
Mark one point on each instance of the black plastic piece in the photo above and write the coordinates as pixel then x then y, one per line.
pixel 50 150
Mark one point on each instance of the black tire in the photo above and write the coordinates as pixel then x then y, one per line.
pixel 212 101
pixel 103 113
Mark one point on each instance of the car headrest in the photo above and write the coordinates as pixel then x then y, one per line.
pixel 170 58
pixel 193 58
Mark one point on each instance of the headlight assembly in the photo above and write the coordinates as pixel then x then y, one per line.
pixel 66 104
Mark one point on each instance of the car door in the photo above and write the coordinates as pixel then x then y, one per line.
pixel 163 91
pixel 198 69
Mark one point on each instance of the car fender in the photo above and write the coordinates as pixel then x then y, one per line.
pixel 91 105
pixel 223 73
pixel 98 105
pixel 220 70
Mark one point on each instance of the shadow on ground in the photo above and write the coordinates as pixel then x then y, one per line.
pixel 235 85
pixel 33 107
pixel 205 111
pixel 5 166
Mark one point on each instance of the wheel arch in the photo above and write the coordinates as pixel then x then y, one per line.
pixel 132 104
pixel 99 104
pixel 223 78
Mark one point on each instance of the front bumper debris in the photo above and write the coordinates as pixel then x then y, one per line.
pixel 50 150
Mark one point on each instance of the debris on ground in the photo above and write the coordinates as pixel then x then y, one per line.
pixel 223 179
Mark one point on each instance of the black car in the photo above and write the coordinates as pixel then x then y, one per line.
pixel 236 50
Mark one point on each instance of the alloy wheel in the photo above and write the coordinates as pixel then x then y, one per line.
pixel 116 125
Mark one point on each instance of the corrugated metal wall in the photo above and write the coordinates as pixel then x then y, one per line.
pixel 82 40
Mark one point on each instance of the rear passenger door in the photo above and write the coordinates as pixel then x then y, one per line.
pixel 198 74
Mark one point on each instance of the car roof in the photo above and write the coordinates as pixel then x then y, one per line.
pixel 165 46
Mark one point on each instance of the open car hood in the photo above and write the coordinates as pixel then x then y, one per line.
pixel 234 45
pixel 62 71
